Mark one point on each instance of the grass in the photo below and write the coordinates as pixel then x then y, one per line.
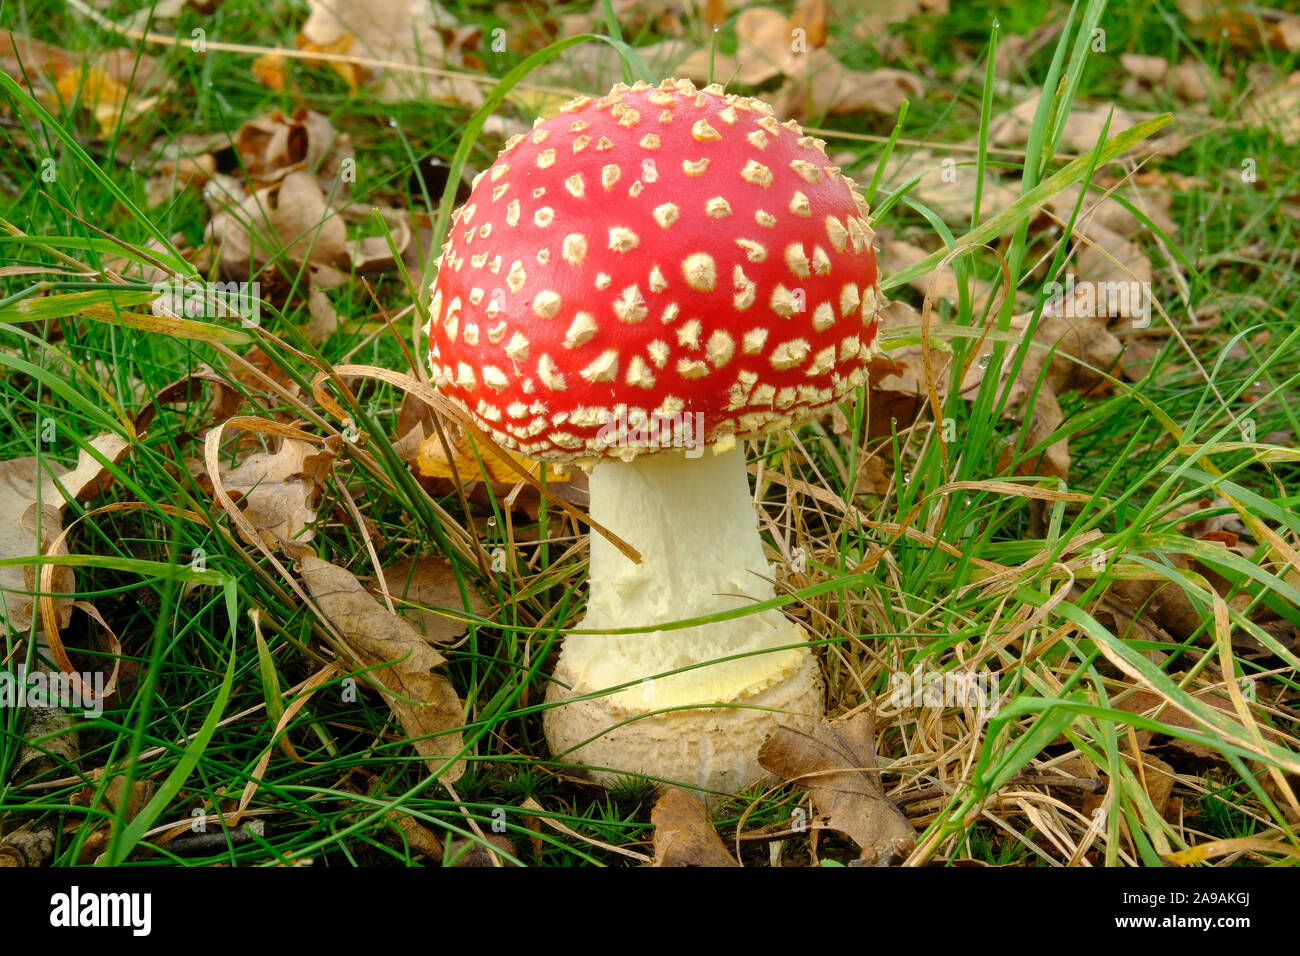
pixel 1003 578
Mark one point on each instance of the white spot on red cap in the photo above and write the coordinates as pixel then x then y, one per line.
pixel 575 248
pixel 807 171
pixel 796 260
pixel 630 305
pixel 822 362
pixel 702 131
pixel 744 295
pixel 836 232
pixel 639 374
pixel 516 277
pixel 789 354
pixel 658 351
pixel 800 206
pixel 751 343
pixel 622 239
pixel 754 251
pixel 543 217
pixel 549 374
pixel 546 304
pixel 700 272
pixel 546 159
pixel 849 299
pixel 666 214
pixel 692 368
pixel 821 263
pixel 757 174
pixel 783 301
pixel 580 331
pixel 688 334
pixel 823 317
pixel 574 185
pixel 717 207
pixel 603 369
pixel 696 167
pixel 721 347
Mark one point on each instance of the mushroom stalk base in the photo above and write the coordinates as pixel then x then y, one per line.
pixel 693 523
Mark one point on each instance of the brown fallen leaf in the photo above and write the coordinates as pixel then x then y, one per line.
pixel 269 69
pixel 323 318
pixel 836 764
pixel 429 582
pixel 24 848
pixel 397 658
pixel 1242 26
pixel 763 51
pixel 1083 127
pixel 439 477
pixel 1277 109
pixel 947 187
pixel 470 852
pixel 273 146
pixel 280 489
pixel 27 530
pixel 400 33
pixel 898 255
pixel 116 84
pixel 684 834
pixel 877 17
pixel 819 85
pixel 1078 342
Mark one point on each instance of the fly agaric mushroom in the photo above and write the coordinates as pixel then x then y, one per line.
pixel 642 276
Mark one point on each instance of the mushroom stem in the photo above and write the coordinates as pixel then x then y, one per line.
pixel 693 523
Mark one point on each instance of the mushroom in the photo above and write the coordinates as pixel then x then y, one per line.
pixel 640 284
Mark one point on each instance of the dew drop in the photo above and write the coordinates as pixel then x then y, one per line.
pixel 985 359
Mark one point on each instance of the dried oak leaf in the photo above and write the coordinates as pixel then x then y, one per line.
pixel 280 489
pixel 439 476
pixel 400 32
pixel 397 657
pixel 684 834
pixel 836 764
pixel 429 582
pixel 1080 349
pixel 273 146
pixel 26 848
pixel 27 531
pixel 819 85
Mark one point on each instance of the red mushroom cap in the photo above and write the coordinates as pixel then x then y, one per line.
pixel 647 262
